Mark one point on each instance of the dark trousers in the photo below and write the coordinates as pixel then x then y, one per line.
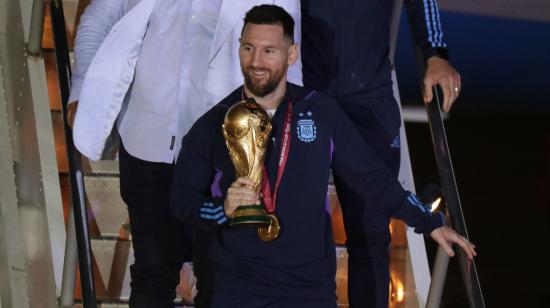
pixel 161 244
pixel 367 230
pixel 202 268
pixel 234 300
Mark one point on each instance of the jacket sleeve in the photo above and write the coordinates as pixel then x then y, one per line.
pixel 192 199
pixel 360 167
pixel 95 23
pixel 426 28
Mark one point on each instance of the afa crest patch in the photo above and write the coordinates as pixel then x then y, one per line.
pixel 307 132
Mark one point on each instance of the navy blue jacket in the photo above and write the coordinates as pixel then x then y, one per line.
pixel 345 44
pixel 301 262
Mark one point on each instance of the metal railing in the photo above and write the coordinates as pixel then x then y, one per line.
pixel 454 208
pixel 454 215
pixel 75 169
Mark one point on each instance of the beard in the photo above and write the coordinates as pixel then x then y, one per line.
pixel 259 88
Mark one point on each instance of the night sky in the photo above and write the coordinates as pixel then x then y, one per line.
pixel 499 138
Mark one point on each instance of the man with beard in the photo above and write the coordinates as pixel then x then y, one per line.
pixel 151 68
pixel 310 135
pixel 345 48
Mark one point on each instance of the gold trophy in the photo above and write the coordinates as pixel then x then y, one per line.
pixel 246 131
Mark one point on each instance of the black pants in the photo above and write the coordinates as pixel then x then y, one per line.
pixel 161 244
pixel 367 230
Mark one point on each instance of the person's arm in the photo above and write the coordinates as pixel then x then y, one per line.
pixel 359 166
pixel 191 198
pixel 427 30
pixel 95 23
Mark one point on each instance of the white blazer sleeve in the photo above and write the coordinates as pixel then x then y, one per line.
pixel 95 23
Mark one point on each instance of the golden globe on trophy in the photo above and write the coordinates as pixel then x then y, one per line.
pixel 246 131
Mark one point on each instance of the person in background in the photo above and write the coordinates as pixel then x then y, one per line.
pixel 345 47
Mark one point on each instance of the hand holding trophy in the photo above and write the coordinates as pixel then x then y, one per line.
pixel 246 131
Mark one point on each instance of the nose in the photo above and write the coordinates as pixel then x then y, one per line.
pixel 257 59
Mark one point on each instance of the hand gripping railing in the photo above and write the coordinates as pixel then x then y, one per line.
pixel 74 157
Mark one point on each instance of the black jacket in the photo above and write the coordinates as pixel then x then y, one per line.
pixel 301 262
pixel 345 44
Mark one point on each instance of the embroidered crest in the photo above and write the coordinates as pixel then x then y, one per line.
pixel 306 128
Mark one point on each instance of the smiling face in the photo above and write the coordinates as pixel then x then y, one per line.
pixel 265 54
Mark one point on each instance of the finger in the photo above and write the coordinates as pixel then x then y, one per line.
pixel 428 95
pixel 468 248
pixel 244 181
pixel 448 249
pixel 464 244
pixel 235 184
pixel 454 90
pixel 242 193
pixel 244 201
pixel 447 93
pixel 440 235
pixel 459 82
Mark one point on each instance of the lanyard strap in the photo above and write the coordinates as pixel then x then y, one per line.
pixel 268 198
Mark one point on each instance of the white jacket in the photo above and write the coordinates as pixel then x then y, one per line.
pixel 102 89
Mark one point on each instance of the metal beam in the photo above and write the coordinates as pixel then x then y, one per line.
pixel 34 45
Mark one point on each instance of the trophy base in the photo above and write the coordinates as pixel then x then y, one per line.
pixel 250 216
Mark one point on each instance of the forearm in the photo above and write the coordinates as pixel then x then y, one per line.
pixel 425 23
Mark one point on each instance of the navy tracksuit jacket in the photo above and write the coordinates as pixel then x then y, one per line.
pixel 301 262
pixel 345 45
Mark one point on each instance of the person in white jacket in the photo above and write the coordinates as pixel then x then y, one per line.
pixel 153 67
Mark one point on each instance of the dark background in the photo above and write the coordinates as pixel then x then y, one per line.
pixel 499 139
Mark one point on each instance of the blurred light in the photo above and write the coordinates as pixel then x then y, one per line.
pixel 435 204
pixel 400 294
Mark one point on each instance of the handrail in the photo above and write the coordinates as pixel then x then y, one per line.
pixel 454 215
pixel 454 212
pixel 75 169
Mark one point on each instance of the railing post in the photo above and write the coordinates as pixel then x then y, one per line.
pixel 439 274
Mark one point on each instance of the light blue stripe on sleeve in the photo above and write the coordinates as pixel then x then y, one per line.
pixel 435 41
pixel 212 217
pixel 222 220
pixel 427 20
pixel 211 210
pixel 413 202
pixel 440 28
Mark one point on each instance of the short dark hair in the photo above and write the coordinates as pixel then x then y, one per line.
pixel 269 14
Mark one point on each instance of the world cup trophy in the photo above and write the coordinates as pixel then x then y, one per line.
pixel 246 131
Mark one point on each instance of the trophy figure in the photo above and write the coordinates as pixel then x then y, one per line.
pixel 246 131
